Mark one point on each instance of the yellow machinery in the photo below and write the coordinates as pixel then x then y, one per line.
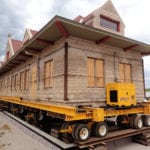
pixel 79 122
pixel 121 94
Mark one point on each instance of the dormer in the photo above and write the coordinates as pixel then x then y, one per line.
pixel 29 33
pixel 12 47
pixel 105 17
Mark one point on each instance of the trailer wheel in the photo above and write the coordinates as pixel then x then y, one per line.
pixel 39 116
pixel 66 135
pixel 119 120
pixel 131 123
pixel 20 110
pixel 146 120
pixel 138 122
pixel 101 129
pixel 74 130
pixel 82 132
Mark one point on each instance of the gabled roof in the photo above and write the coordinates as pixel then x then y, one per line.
pixel 110 8
pixel 79 18
pixel 33 32
pixel 107 11
pixel 60 27
pixel 16 44
pixel 29 33
pixel 12 47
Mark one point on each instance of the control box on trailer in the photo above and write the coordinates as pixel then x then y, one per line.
pixel 120 94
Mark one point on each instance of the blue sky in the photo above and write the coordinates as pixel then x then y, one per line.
pixel 16 15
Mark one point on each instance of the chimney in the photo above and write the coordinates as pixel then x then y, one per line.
pixel 9 35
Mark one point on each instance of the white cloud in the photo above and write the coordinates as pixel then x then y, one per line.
pixel 38 13
pixel 135 15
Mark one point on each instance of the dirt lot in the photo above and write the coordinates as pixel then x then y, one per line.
pixel 12 138
pixel 126 144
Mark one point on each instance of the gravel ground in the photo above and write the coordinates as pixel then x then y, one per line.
pixel 12 138
pixel 126 144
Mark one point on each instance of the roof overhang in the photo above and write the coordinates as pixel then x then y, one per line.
pixel 60 27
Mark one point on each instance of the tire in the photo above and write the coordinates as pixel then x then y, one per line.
pixel 146 120
pixel 38 116
pixel 101 129
pixel 119 120
pixel 73 130
pixel 82 132
pixel 131 123
pixel 138 122
pixel 21 110
pixel 65 126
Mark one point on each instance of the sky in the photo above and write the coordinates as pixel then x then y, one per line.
pixel 17 15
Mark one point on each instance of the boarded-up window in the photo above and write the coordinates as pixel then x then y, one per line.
pixel 12 83
pixel 33 81
pixel 48 68
pixel 4 85
pixel 27 79
pixel 22 79
pixel 0 84
pixel 8 82
pixel 125 72
pixel 95 68
pixel 16 86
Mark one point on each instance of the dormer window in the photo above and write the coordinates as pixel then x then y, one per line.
pixel 109 23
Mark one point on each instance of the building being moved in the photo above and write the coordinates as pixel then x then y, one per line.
pixel 71 61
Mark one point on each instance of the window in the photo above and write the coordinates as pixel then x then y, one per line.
pixel 48 67
pixel 5 84
pixel 27 79
pixel 95 68
pixel 12 83
pixel 16 84
pixel 22 78
pixel 125 72
pixel 0 84
pixel 8 83
pixel 110 24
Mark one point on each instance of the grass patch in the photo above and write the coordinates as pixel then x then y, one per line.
pixel 147 90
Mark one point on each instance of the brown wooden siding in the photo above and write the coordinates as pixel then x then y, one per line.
pixel 82 54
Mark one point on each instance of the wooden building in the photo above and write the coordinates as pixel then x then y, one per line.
pixel 70 62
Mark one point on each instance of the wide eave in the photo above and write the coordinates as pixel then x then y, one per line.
pixel 60 27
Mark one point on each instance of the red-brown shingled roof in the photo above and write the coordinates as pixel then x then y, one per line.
pixel 16 44
pixel 33 32
pixel 78 18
